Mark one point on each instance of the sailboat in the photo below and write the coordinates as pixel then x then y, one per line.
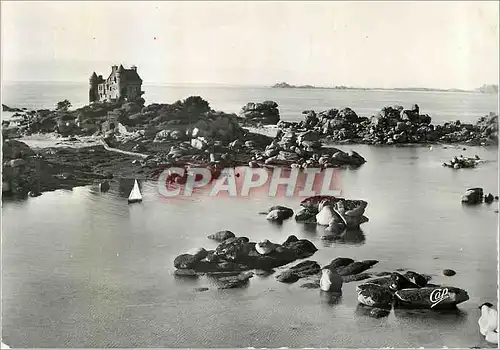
pixel 135 195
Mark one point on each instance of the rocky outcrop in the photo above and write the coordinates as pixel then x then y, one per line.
pixel 303 150
pixel 473 196
pixel 394 125
pixel 279 213
pixel 476 195
pixel 461 162
pixel 336 213
pixel 410 290
pixel 239 254
pixel 263 113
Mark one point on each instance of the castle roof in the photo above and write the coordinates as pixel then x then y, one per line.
pixel 128 75
pixel 131 75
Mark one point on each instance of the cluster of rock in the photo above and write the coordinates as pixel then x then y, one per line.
pixel 304 150
pixel 337 214
pixel 238 254
pixel 231 261
pixel 86 120
pixel 395 125
pixel 347 269
pixel 410 290
pixel 263 113
pixel 462 162
pixel 476 196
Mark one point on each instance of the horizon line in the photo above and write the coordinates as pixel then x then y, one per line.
pixel 223 84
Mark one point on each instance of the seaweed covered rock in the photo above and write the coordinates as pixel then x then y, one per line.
pixel 374 295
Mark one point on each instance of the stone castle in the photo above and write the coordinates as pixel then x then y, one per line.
pixel 122 84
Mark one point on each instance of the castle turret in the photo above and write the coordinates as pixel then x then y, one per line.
pixel 93 88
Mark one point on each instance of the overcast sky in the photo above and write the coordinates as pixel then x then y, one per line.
pixel 372 44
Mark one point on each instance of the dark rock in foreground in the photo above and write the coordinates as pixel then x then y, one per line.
pixel 340 263
pixel 374 295
pixel 473 196
pixel 301 270
pixel 239 254
pixel 357 267
pixel 230 282
pixel 431 298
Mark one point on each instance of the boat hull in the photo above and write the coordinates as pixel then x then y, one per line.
pixel 131 201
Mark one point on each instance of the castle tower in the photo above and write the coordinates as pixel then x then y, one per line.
pixel 119 77
pixel 93 88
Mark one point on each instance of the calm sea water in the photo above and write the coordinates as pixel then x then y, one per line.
pixel 442 106
pixel 85 269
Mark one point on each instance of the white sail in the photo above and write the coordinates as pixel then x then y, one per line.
pixel 135 194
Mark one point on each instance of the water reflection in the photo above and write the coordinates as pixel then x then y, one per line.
pixel 363 310
pixel 354 236
pixel 308 229
pixel 438 317
pixel 330 298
